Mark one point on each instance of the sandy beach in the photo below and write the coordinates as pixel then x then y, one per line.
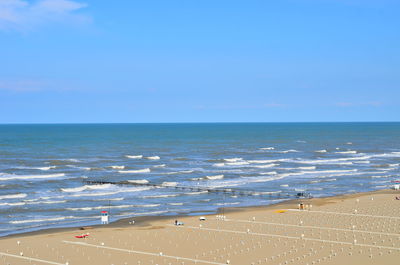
pixel 360 228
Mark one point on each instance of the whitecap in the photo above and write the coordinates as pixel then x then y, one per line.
pixel 43 220
pixel 153 157
pixel 236 159
pixel 267 148
pixel 157 166
pixel 169 184
pixel 117 167
pixel 87 187
pixel 13 196
pixel 269 173
pixel 27 177
pixel 134 156
pixel 178 172
pixel 266 166
pixel 138 181
pixel 175 203
pixel 214 177
pixel 287 151
pixel 347 152
pixel 145 170
pixel 321 151
pixel 160 196
pixel 12 204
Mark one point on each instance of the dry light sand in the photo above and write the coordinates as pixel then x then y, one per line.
pixel 354 229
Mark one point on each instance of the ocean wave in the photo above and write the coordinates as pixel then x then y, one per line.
pixel 267 148
pixel 169 184
pixel 12 203
pixel 236 159
pixel 347 152
pixel 287 151
pixel 27 177
pixel 134 156
pixel 269 173
pixel 123 206
pixel 138 181
pixel 214 177
pixel 321 151
pixel 300 168
pixel 158 166
pixel 117 191
pixel 266 166
pixel 117 167
pixel 331 161
pixel 153 157
pixel 43 220
pixel 238 163
pixel 13 196
pixel 87 187
pixel 178 172
pixel 145 170
pixel 175 203
pixel 160 196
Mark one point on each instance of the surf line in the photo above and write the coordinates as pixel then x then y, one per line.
pixel 288 237
pixel 31 259
pixel 142 252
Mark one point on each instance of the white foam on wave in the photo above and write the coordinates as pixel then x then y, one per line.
pixel 267 148
pixel 27 177
pixel 145 170
pixel 178 172
pixel 123 206
pixel 287 151
pixel 138 181
pixel 214 177
pixel 158 166
pixel 321 151
pixel 332 161
pixel 43 220
pixel 169 184
pixel 134 156
pixel 266 166
pixel 87 187
pixel 347 152
pixel 116 191
pixel 153 157
pixel 238 163
pixel 12 204
pixel 267 161
pixel 269 173
pixel 160 196
pixel 13 196
pixel 117 167
pixel 236 159
pixel 38 168
pixel 175 203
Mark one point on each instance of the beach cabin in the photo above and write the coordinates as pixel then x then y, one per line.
pixel 104 217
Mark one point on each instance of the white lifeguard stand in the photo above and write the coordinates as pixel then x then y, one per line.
pixel 104 217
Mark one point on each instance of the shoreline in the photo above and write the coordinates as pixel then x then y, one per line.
pixel 143 221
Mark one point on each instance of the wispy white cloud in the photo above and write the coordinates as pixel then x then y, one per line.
pixel 24 15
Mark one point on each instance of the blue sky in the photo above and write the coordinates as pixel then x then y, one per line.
pixel 65 61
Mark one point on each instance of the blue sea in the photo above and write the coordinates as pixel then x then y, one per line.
pixel 43 168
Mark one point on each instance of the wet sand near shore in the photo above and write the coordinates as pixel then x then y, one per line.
pixel 361 228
